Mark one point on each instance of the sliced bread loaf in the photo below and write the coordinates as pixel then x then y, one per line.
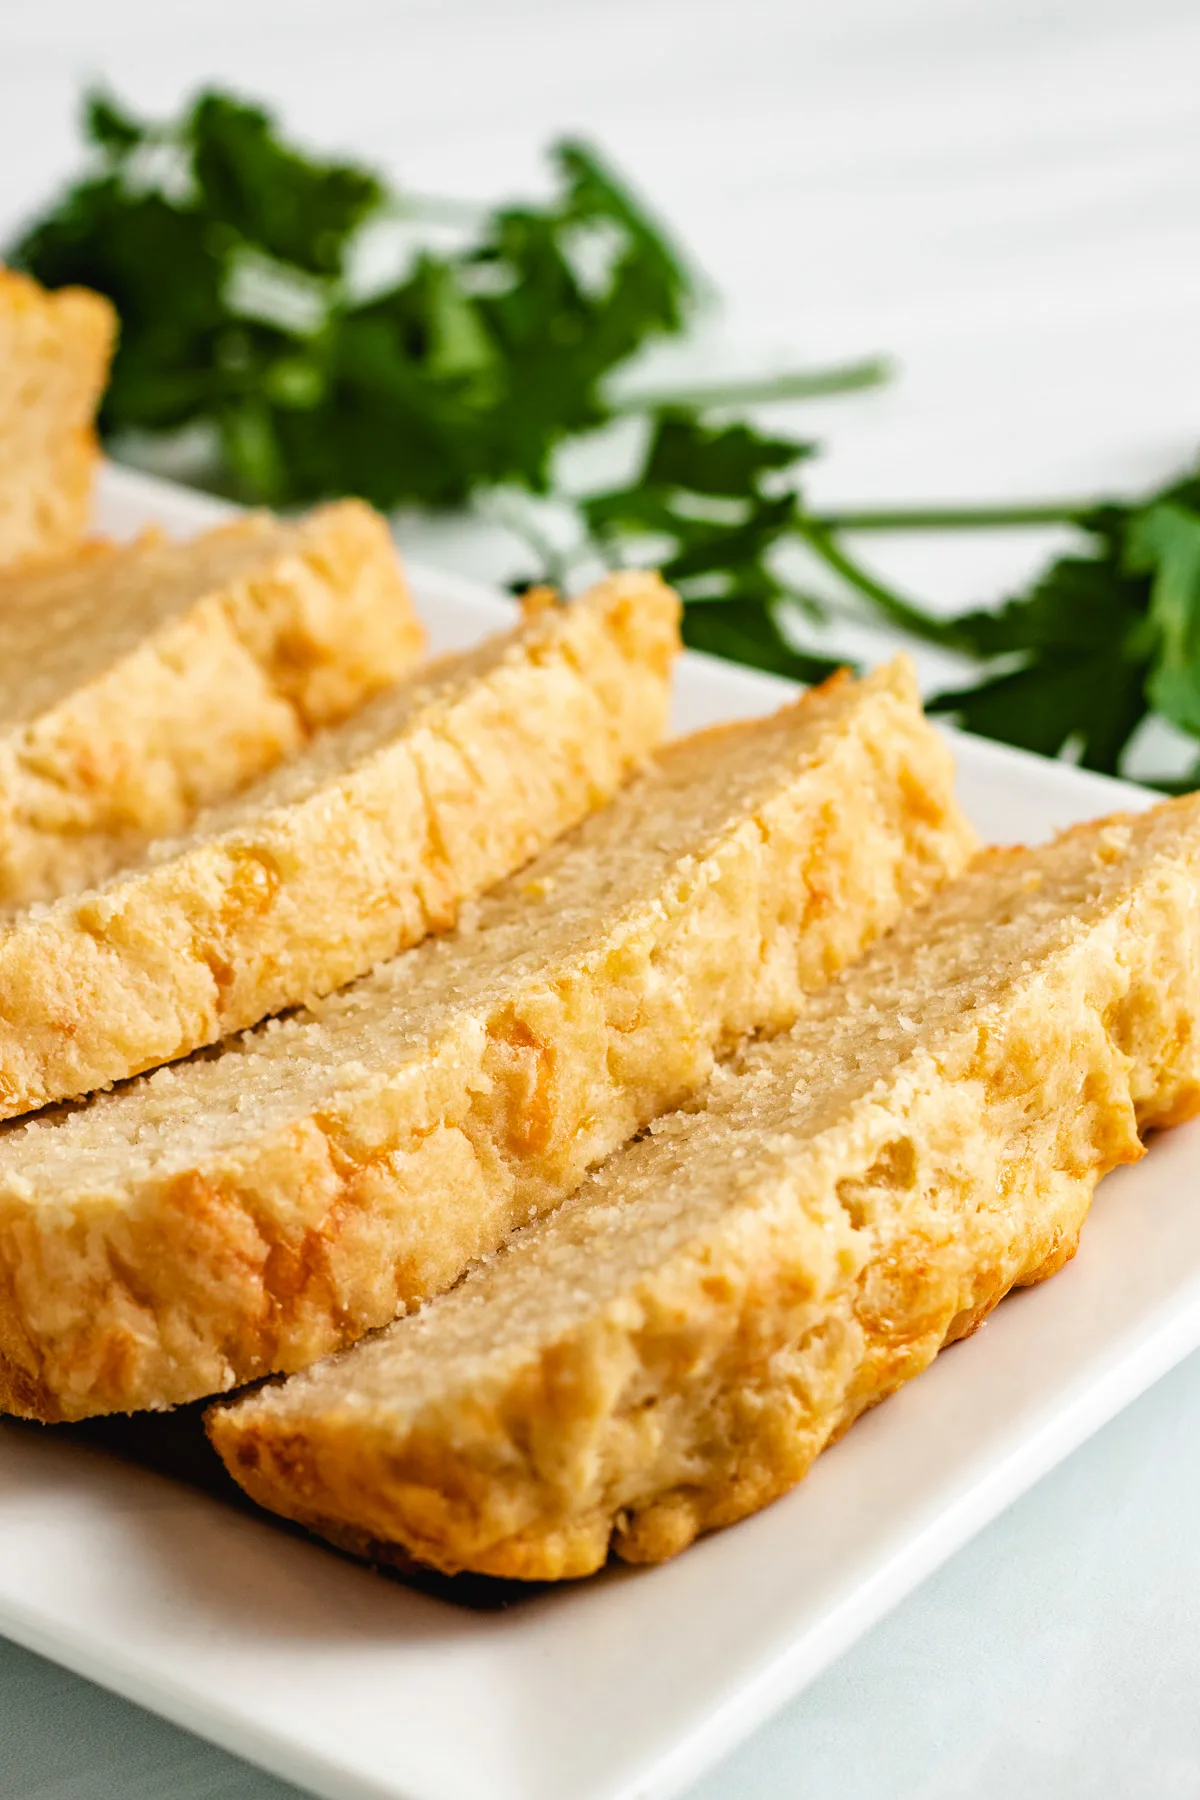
pixel 141 682
pixel 671 1349
pixel 369 839
pixel 253 1210
pixel 54 356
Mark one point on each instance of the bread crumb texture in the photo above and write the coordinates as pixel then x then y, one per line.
pixel 370 838
pixel 253 1210
pixel 142 682
pixel 55 349
pixel 673 1347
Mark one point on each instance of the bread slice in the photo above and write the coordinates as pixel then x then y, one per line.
pixel 252 1211
pixel 671 1349
pixel 141 682
pixel 54 356
pixel 372 837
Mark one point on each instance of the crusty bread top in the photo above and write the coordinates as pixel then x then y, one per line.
pixel 637 610
pixel 922 1000
pixel 623 872
pixel 142 682
pixel 371 838
pixel 66 621
pixel 254 1210
pixel 54 355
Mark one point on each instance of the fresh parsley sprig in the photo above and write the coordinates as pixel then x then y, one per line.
pixel 230 257
pixel 1102 638
pixel 501 336
pixel 715 504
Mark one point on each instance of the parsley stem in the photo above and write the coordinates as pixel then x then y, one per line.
pixel 796 384
pixel 910 618
pixel 957 518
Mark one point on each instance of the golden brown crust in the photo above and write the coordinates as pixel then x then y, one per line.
pixel 338 1168
pixel 153 679
pixel 371 839
pixel 675 1345
pixel 55 350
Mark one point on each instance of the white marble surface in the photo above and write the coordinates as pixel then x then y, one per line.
pixel 1003 194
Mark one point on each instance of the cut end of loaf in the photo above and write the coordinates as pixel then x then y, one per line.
pixel 140 683
pixel 374 836
pixel 280 1199
pixel 55 350
pixel 672 1348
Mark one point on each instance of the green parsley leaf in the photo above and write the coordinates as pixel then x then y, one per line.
pixel 711 498
pixel 252 187
pixel 732 460
pixel 227 253
pixel 107 125
pixel 741 630
pixel 1163 541
pixel 1098 641
pixel 1075 663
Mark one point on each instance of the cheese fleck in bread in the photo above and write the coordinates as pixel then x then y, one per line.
pixel 54 355
pixel 253 1210
pixel 372 837
pixel 141 682
pixel 671 1349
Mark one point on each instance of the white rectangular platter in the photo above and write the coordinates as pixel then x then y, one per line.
pixel 629 1686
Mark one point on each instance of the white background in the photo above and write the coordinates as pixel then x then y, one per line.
pixel 1003 194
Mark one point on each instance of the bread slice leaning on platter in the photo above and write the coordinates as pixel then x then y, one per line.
pixel 252 1210
pixel 374 835
pixel 141 682
pixel 54 355
pixel 672 1348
